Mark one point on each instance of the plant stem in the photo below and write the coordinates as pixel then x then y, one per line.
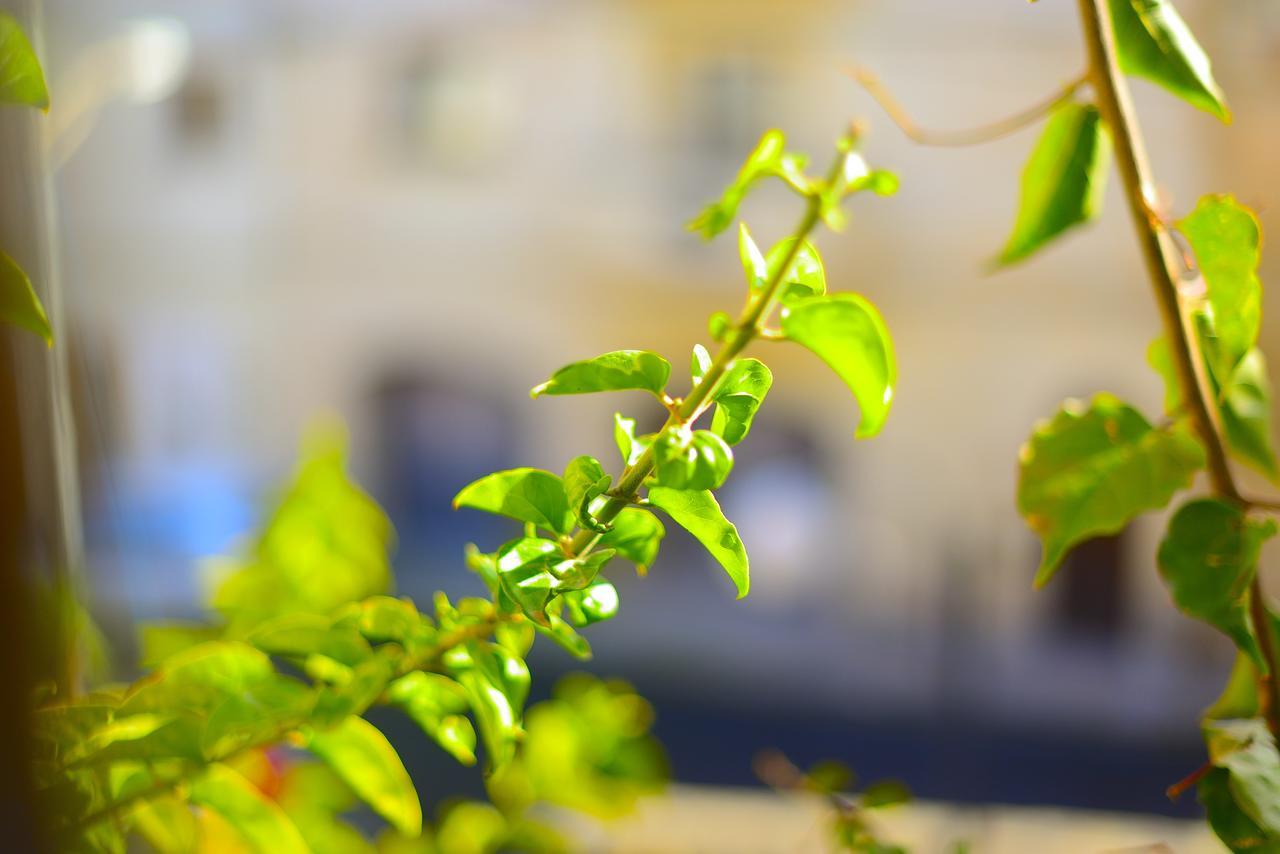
pixel 694 404
pixel 1161 256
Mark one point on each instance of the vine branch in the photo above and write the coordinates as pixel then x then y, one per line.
pixel 968 136
pixel 1162 258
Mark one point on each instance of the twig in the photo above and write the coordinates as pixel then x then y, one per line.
pixel 967 136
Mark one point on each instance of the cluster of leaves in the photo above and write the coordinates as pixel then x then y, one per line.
pixel 21 83
pixel 308 640
pixel 203 750
pixel 1096 465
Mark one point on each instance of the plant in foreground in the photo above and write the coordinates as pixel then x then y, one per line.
pixel 308 641
pixel 1096 465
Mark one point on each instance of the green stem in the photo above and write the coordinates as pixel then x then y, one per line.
pixel 749 326
pixel 1162 259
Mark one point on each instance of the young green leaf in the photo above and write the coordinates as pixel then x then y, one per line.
pixel 1208 558
pixel 738 397
pixel 435 703
pixel 584 479
pixel 846 332
pixel 524 568
pixel 19 304
pixel 766 159
pixel 526 494
pixel 364 759
pixel 1064 181
pixel 699 513
pixel 563 634
pixel 1246 414
pixel 1226 237
pixel 1247 750
pixel 1154 42
pixel 595 603
pixel 691 459
pixel 1092 469
pixel 496 684
pixel 21 78
pixel 805 272
pixel 635 535
pixel 1161 361
pixel 257 818
pixel 616 371
pixel 1239 697
pixel 753 262
pixel 631 446
pixel 300 635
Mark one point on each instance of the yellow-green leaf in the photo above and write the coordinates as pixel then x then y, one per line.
pixel 19 304
pixel 698 512
pixel 21 79
pixel 361 755
pixel 257 818
pixel 1153 42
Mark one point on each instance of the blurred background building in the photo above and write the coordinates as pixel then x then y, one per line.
pixel 409 213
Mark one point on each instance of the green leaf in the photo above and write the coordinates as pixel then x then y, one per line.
pixel 255 817
pixel 805 272
pixel 1091 469
pixel 300 635
pixel 496 684
pixel 753 262
pixel 691 459
pixel 563 634
pixel 19 304
pixel 584 479
pixel 699 363
pixel 524 569
pixel 699 513
pixel 846 332
pixel 738 397
pixel 255 714
pixel 526 494
pixel 636 535
pixel 1239 697
pixel 435 703
pixel 1246 414
pixel 616 371
pixel 885 793
pixel 1237 830
pixel 595 603
pixel 631 446
pixel 1153 42
pixel 364 759
pixel 1247 750
pixel 1209 557
pixel 1161 361
pixel 1064 181
pixel 1226 239
pixel 21 79
pixel 768 158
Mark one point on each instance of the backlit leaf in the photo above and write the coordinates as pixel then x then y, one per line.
pixel 691 459
pixel 1153 42
pixel 1246 414
pixel 1247 750
pixel 584 480
pixel 21 79
pixel 805 271
pixel 526 494
pixel 595 603
pixel 1064 181
pixel 846 332
pixel 1091 469
pixel 737 398
pixel 753 261
pixel 1208 558
pixel 636 535
pixel 435 703
pixel 768 158
pixel 699 513
pixel 19 304
pixel 254 816
pixel 364 759
pixel 1226 238
pixel 616 371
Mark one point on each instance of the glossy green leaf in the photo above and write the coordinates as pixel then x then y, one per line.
pixel 526 494
pixel 616 371
pixel 1208 558
pixel 699 363
pixel 699 513
pixel 1226 239
pixel 691 459
pixel 496 684
pixel 846 332
pixel 1246 414
pixel 21 78
pixel 524 568
pixel 584 480
pixel 753 261
pixel 1247 750
pixel 254 816
pixel 595 603
pixel 1091 469
pixel 1153 42
pixel 364 759
pixel 435 703
pixel 1233 826
pixel 805 272
pixel 255 714
pixel 19 304
pixel 768 158
pixel 1064 181
pixel 636 536
pixel 560 631
pixel 738 397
